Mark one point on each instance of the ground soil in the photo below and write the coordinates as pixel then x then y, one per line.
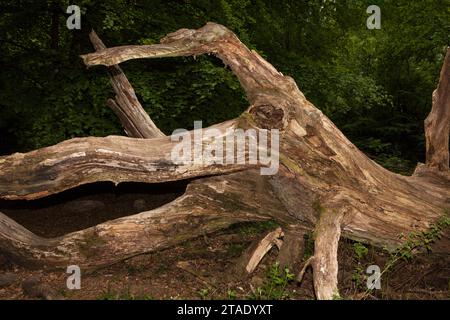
pixel 202 268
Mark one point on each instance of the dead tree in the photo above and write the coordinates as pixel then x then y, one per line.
pixel 324 183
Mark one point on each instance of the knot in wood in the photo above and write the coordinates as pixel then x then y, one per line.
pixel 268 116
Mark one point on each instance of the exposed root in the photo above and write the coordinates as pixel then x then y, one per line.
pixel 305 267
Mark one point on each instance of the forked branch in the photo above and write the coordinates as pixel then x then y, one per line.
pixel 317 163
pixel 126 106
pixel 256 75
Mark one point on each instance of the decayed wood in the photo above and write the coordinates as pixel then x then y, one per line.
pixel 192 270
pixel 321 171
pixel 256 75
pixel 126 106
pixel 273 238
pixel 437 124
pixel 117 159
pixel 208 205
pixel 325 263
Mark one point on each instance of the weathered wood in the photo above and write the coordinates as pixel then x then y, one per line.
pixel 324 182
pixel 437 124
pixel 325 263
pixel 126 106
pixel 117 159
pixel 263 246
pixel 260 80
pixel 207 206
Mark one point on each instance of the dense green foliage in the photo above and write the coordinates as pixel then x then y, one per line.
pixel 375 85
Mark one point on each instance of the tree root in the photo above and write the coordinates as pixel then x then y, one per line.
pixel 307 263
pixel 317 162
pixel 325 262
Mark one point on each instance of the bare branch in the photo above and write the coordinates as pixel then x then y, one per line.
pixel 263 247
pixel 134 119
pixel 255 74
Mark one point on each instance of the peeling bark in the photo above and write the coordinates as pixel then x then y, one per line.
pixel 324 182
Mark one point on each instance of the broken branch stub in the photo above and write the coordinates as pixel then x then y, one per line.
pixel 321 176
pixel 263 246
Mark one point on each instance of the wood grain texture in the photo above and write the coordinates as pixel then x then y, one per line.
pixel 324 182
pixel 126 106
pixel 437 124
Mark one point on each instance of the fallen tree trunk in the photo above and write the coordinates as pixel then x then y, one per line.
pixel 81 161
pixel 324 183
pixel 207 206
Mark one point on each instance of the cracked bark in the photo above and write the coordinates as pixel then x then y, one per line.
pixel 324 183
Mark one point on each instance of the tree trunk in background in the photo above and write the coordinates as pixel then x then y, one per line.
pixel 437 124
pixel 324 183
